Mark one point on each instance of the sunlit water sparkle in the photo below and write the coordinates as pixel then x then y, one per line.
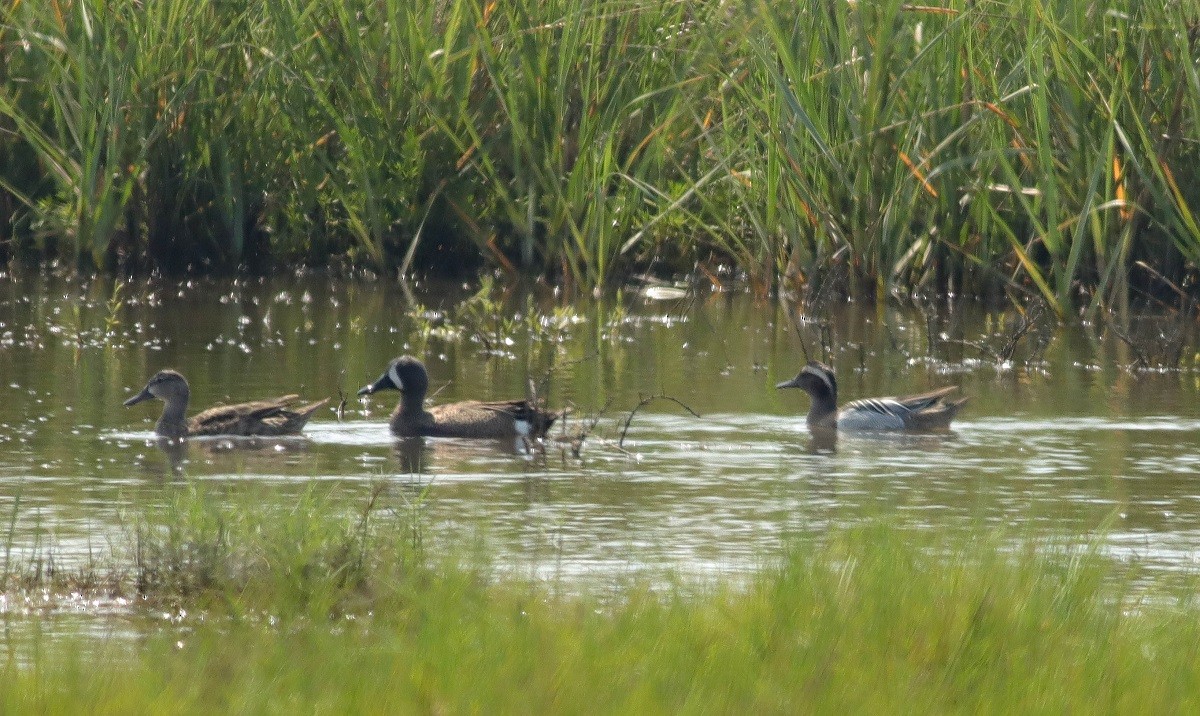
pixel 1074 447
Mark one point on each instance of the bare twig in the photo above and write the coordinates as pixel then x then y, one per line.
pixel 1005 353
pixel 983 348
pixel 826 340
pixel 1139 356
pixel 576 439
pixel 1027 322
pixel 895 343
pixel 1166 281
pixel 646 401
pixel 477 333
pixel 929 312
pixel 794 319
pixel 1181 322
pixel 434 394
pixel 618 448
pixel 542 386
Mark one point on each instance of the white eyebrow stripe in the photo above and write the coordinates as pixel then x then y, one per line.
pixel 822 375
pixel 395 376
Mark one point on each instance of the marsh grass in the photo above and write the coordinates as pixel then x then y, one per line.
pixel 1021 146
pixel 336 604
pixel 221 547
pixel 950 146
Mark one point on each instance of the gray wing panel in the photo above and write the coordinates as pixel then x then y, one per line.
pixel 873 414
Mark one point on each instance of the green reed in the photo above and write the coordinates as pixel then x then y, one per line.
pixel 1035 146
pixel 1034 143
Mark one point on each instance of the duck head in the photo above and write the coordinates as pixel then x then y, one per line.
pixel 405 374
pixel 166 385
pixel 816 379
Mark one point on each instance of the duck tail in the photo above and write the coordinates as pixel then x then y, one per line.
pixel 298 417
pixel 307 410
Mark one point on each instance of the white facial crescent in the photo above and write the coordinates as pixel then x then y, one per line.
pixel 822 375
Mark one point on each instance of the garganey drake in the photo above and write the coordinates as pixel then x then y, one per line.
pixel 924 412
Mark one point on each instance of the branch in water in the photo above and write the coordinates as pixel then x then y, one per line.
pixel 644 403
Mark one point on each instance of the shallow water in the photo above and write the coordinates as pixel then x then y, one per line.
pixel 1064 442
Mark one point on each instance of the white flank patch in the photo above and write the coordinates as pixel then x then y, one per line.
pixel 524 427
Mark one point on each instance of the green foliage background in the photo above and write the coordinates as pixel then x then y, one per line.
pixel 1040 145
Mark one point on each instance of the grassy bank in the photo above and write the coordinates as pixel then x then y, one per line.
pixel 340 605
pixel 1034 145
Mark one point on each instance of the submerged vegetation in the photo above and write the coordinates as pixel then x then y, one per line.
pixel 1003 145
pixel 341 607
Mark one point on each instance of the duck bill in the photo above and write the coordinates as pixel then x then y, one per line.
pixel 384 383
pixel 144 395
pixel 788 383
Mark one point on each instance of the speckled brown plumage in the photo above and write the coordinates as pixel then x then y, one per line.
pixel 274 416
pixel 271 417
pixel 467 419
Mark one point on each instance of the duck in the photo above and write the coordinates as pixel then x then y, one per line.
pixel 930 411
pixel 271 417
pixel 505 419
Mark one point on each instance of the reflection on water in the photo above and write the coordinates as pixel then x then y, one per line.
pixel 1066 443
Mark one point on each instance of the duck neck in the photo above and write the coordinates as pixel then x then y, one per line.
pixel 823 409
pixel 411 404
pixel 173 421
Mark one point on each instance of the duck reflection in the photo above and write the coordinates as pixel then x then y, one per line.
pixel 253 446
pixel 825 440
pixel 174 450
pixel 253 450
pixel 415 454
pixel 410 453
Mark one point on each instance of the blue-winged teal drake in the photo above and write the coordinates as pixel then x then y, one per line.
pixel 926 411
pixel 260 418
pixel 468 419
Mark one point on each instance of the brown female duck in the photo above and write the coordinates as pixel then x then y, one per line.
pixel 262 418
pixel 467 419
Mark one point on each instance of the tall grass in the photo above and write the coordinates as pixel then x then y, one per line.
pixel 326 608
pixel 1036 146
pixel 1038 143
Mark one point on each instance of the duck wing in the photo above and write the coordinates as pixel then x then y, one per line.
pixel 523 411
pixel 933 410
pixel 261 417
pixel 873 414
pixel 479 419
pixel 923 401
pixel 922 411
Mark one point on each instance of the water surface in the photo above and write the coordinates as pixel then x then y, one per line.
pixel 1064 441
